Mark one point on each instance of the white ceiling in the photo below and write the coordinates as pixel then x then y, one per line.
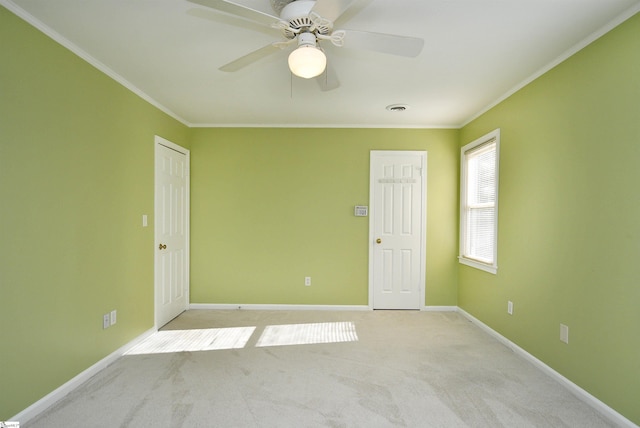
pixel 476 52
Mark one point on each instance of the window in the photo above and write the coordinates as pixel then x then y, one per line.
pixel 479 202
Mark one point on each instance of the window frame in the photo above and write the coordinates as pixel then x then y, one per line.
pixel 465 151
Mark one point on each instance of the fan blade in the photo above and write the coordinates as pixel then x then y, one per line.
pixel 380 42
pixel 238 10
pixel 331 9
pixel 329 79
pixel 250 58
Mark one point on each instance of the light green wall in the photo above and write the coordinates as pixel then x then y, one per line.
pixel 271 206
pixel 76 175
pixel 569 219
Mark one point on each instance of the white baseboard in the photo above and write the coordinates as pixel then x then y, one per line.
pixel 39 406
pixel 59 393
pixel 583 395
pixel 260 307
pixel 439 308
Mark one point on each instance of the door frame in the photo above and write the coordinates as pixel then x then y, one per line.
pixel 159 141
pixel 423 238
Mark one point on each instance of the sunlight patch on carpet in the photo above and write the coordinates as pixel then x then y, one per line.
pixel 209 339
pixel 307 334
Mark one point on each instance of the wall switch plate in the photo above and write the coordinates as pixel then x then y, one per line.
pixel 105 321
pixel 113 317
pixel 510 307
pixel 564 333
pixel 361 211
pixel 144 220
pixel 307 281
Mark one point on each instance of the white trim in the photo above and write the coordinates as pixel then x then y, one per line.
pixel 439 309
pixel 62 391
pixel 489 138
pixel 163 141
pixel 57 37
pixel 478 265
pixel 47 401
pixel 323 125
pixel 270 307
pixel 583 395
pixel 424 155
pixel 560 59
pixel 159 141
pixel 23 14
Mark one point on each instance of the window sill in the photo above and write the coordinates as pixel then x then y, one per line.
pixel 478 265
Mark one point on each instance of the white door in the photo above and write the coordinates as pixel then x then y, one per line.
pixel 171 230
pixel 397 229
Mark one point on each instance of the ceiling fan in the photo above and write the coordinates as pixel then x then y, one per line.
pixel 310 23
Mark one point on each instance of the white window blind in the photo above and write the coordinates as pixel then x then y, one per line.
pixel 479 190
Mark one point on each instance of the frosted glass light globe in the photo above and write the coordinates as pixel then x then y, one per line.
pixel 307 61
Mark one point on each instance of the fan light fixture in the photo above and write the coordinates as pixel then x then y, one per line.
pixel 307 60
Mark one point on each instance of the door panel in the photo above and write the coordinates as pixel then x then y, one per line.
pixel 171 231
pixel 397 229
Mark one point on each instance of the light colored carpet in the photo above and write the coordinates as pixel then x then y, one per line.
pixel 398 369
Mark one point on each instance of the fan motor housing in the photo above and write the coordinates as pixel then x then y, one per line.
pixel 296 14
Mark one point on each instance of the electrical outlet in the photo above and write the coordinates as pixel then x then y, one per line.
pixel 106 321
pixel 113 317
pixel 564 333
pixel 510 307
pixel 307 281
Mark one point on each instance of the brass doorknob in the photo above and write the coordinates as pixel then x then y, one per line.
pixel 162 247
pixel 378 241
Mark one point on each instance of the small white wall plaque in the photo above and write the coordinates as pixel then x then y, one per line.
pixel 361 211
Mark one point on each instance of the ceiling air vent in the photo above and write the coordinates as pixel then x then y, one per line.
pixel 398 107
